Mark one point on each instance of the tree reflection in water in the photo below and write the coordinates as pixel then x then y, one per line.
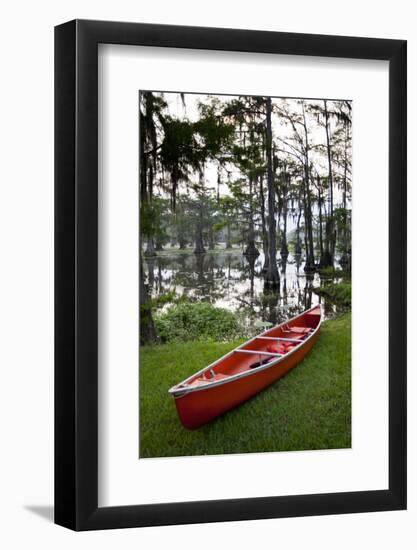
pixel 236 282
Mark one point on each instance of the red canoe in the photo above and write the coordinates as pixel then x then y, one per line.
pixel 246 370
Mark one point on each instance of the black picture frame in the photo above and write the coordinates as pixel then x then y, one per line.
pixel 76 272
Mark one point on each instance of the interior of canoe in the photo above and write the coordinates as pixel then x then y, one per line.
pixel 268 346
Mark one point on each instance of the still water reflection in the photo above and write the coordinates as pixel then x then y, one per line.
pixel 232 281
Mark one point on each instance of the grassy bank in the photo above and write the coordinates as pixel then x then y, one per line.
pixel 308 409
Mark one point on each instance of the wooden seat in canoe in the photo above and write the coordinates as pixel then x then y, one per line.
pixel 299 330
pixel 204 380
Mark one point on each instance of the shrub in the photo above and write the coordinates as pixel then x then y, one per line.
pixel 339 294
pixel 197 321
pixel 333 272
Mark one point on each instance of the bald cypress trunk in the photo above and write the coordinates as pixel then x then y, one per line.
pixel 272 275
pixel 199 244
pixel 150 247
pixel 345 259
pixel 228 236
pixel 330 226
pixel 251 249
pixel 308 217
pixel 211 238
pixel 263 221
pixel 148 333
pixel 284 245
pixel 309 241
pixel 298 249
pixel 320 223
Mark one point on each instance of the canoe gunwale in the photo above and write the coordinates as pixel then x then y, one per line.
pixel 177 391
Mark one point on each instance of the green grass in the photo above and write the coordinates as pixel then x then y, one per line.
pixel 310 408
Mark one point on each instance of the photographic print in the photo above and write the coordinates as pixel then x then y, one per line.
pixel 245 274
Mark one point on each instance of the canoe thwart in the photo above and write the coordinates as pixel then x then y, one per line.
pixel 296 340
pixel 257 352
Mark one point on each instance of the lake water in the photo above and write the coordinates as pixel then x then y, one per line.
pixel 227 279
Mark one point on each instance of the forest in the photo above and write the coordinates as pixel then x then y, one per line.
pixel 267 178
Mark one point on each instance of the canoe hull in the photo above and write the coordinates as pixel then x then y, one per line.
pixel 199 407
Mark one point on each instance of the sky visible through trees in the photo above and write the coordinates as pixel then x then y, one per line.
pixel 188 107
pixel 270 177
